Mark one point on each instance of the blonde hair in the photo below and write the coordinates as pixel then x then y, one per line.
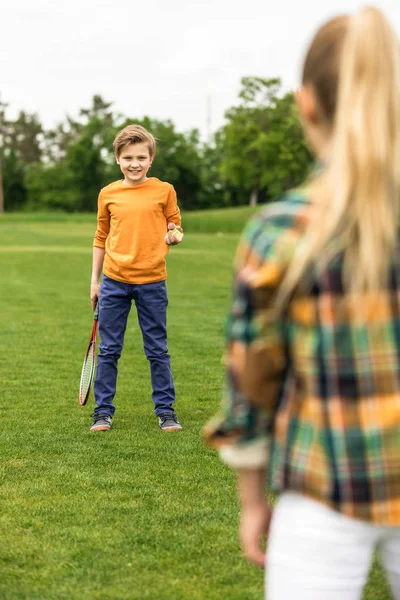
pixel 353 65
pixel 134 134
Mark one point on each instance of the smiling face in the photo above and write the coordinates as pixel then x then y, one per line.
pixel 134 161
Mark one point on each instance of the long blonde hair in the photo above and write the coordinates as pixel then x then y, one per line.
pixel 353 65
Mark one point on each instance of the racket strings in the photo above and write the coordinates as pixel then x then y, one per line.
pixel 87 372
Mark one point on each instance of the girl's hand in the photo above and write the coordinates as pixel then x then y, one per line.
pixel 255 514
pixel 254 525
pixel 94 294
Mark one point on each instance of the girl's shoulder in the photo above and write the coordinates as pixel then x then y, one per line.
pixel 287 207
pixel 288 212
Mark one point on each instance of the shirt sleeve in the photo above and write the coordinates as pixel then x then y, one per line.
pixel 103 223
pixel 171 210
pixel 255 357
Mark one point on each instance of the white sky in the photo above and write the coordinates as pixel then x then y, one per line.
pixel 162 58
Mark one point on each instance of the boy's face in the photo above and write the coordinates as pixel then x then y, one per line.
pixel 134 161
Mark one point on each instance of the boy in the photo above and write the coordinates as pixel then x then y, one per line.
pixel 130 246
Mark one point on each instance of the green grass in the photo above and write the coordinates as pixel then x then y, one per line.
pixel 134 513
pixel 204 221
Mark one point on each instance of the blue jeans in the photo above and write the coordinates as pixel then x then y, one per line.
pixel 151 304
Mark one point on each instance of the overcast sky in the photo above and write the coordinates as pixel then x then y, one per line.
pixel 169 59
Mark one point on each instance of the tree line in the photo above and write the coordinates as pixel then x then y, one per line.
pixel 257 154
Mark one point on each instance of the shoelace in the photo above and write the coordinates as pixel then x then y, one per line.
pixel 168 418
pixel 100 417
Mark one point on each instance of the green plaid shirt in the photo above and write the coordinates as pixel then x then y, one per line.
pixel 327 375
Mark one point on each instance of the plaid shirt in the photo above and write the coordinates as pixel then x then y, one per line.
pixel 324 377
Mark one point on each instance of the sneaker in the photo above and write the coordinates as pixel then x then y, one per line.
pixel 101 422
pixel 169 422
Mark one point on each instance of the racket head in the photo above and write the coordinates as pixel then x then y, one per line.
pixel 89 363
pixel 87 374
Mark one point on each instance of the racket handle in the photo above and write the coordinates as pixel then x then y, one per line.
pixel 96 311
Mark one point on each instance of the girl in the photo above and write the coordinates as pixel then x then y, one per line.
pixel 313 352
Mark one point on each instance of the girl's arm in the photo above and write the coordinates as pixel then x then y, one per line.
pixel 255 513
pixel 255 364
pixel 255 354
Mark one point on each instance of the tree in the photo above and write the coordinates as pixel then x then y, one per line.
pixel 2 128
pixel 257 154
pixel 74 165
pixel 1 190
pixel 57 141
pixel 100 109
pixel 86 166
pixel 14 181
pixel 89 158
pixel 263 146
pixel 215 192
pixel 23 137
pixel 20 145
pixel 50 187
pixel 287 157
pixel 243 163
pixel 178 161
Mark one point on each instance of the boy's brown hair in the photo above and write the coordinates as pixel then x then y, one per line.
pixel 134 134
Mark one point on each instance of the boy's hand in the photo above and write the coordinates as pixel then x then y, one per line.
pixel 170 237
pixel 94 293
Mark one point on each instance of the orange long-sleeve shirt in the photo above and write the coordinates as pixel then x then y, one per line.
pixel 131 226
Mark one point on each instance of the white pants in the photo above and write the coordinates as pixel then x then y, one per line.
pixel 315 553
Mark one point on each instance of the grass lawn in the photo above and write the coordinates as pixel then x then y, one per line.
pixel 134 513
